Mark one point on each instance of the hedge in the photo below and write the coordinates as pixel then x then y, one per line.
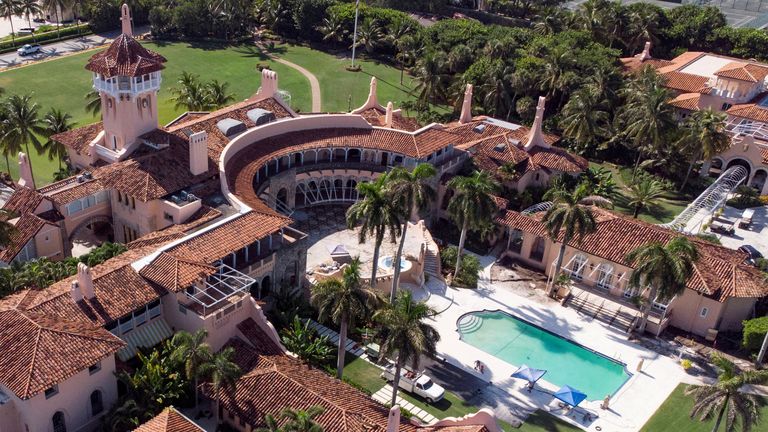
pixel 754 333
pixel 65 33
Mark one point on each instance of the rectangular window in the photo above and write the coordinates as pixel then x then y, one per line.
pixel 126 324
pixel 154 309
pixel 92 369
pixel 139 317
pixel 52 391
pixel 74 207
pixel 133 203
pixel 182 309
pixel 704 312
pixel 168 217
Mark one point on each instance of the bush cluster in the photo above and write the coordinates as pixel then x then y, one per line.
pixel 754 333
pixel 470 267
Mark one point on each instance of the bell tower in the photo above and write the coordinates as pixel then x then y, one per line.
pixel 127 77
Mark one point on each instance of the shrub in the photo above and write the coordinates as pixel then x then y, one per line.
pixel 66 33
pixel 709 238
pixel 746 197
pixel 470 267
pixel 754 333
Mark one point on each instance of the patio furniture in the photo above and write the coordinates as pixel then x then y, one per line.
pixel 529 374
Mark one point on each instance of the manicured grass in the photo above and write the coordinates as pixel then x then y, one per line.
pixel 672 416
pixel 367 376
pixel 669 206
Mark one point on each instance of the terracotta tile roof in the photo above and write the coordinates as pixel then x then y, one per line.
pixel 377 117
pixel 175 232
pixel 751 110
pixel 685 82
pixel 125 57
pixel 78 139
pixel 169 420
pixel 720 272
pixel 175 274
pixel 186 117
pixel 77 191
pixel 687 101
pixel 40 351
pixel 23 200
pixel 557 159
pixel 741 71
pixel 27 226
pixel 634 63
pixel 682 61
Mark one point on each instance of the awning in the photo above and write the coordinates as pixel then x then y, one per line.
pixel 570 395
pixel 146 336
pixel 529 374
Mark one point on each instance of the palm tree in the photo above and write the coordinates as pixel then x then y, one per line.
pixel 405 334
pixel 377 214
pixel 55 5
pixel 217 94
pixel 472 206
pixel 23 124
pixel 93 102
pixel 585 117
pixel 344 302
pixel 7 230
pixel 223 373
pixel 431 77
pixel 369 35
pixel 413 192
pixel 705 136
pixel 56 121
pixel 333 28
pixel 726 398
pixel 192 349
pixel 29 8
pixel 663 268
pixel 556 75
pixel 499 95
pixel 568 219
pixel 190 94
pixel 645 194
pixel 295 420
pixel 7 147
pixel 9 9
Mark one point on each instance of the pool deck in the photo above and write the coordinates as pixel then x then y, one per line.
pixel 630 407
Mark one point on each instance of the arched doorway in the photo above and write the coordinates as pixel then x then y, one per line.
pixel 300 196
pixel 90 234
pixel 354 155
pixel 59 422
pixel 266 287
pixel 282 197
pixel 97 403
pixel 741 162
pixel 758 181
pixel 254 290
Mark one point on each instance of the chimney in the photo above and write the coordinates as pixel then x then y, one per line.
pixel 85 281
pixel 393 421
pixel 388 117
pixel 646 54
pixel 466 106
pixel 268 87
pixel 536 137
pixel 373 100
pixel 125 20
pixel 25 172
pixel 75 292
pixel 198 152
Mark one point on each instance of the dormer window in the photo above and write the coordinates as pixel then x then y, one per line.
pixel 52 391
pixel 92 369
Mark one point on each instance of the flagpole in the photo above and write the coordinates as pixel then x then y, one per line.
pixel 354 35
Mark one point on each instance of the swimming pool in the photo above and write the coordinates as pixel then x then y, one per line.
pixel 518 342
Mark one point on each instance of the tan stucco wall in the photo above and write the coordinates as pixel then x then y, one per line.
pixel 737 310
pixel 49 242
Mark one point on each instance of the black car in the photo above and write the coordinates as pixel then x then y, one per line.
pixel 752 254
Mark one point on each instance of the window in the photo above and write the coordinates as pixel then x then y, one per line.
pixel 537 251
pixel 59 424
pixel 704 312
pixel 725 106
pixel 114 142
pixel 133 202
pixel 92 369
pixel 604 277
pixel 52 391
pixel 516 241
pixel 577 267
pixel 97 405
pixel 168 216
pixel 154 309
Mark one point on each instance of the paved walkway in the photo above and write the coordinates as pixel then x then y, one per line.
pixel 384 396
pixel 314 84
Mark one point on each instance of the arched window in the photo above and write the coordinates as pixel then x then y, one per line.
pixel 97 404
pixel 577 267
pixel 59 424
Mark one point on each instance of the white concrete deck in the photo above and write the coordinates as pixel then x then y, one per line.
pixel 630 407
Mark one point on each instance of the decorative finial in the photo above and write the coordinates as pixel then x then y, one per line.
pixel 646 54
pixel 466 106
pixel 536 136
pixel 25 172
pixel 388 117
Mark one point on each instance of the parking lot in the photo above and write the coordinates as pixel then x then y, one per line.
pixel 756 235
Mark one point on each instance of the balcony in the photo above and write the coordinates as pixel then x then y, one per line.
pixel 177 208
pixel 221 290
pixel 115 86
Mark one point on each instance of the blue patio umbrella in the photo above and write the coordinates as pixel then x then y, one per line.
pixel 529 374
pixel 570 395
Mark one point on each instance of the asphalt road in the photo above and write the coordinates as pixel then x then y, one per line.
pixel 63 48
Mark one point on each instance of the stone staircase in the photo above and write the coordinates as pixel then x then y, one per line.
pixel 605 311
pixel 431 256
pixel 469 324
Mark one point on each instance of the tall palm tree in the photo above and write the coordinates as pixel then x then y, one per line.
pixel 194 351
pixel 568 219
pixel 217 94
pixel 663 268
pixel 413 192
pixel 7 147
pixel 644 194
pixel 93 102
pixel 223 373
pixel 343 301
pixel 369 35
pixel 27 8
pixel 295 420
pixel 56 121
pixel 556 76
pixel 705 137
pixel 725 397
pixel 377 214
pixel 333 28
pixel 585 117
pixel 405 334
pixel 432 79
pixel 9 9
pixel 472 206
pixel 23 124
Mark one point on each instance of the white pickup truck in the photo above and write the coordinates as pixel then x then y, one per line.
pixel 416 383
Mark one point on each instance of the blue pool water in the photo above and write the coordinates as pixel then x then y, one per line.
pixel 517 342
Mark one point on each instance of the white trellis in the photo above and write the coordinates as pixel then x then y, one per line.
pixel 219 287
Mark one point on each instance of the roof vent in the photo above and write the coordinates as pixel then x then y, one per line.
pixel 231 127
pixel 187 131
pixel 87 175
pixel 479 128
pixel 500 147
pixel 80 179
pixel 514 142
pixel 261 116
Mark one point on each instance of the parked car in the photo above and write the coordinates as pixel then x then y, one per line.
pixel 721 228
pixel 416 383
pixel 752 254
pixel 26 31
pixel 38 20
pixel 29 49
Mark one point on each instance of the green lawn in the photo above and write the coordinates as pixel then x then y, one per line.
pixel 672 416
pixel 367 376
pixel 233 64
pixel 669 206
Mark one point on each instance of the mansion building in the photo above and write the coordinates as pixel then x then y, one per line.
pixel 205 205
